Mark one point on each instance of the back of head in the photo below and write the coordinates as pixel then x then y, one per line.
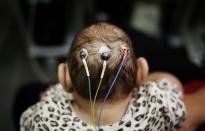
pixel 93 38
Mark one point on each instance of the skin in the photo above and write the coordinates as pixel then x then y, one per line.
pixel 196 110
pixel 113 111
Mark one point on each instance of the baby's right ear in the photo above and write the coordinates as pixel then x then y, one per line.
pixel 64 76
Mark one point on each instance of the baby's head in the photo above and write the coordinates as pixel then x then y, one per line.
pixel 94 38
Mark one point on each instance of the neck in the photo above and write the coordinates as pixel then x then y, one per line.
pixel 112 110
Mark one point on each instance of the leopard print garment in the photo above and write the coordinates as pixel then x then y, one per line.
pixel 155 107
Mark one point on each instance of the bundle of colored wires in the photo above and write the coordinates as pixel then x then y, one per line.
pixel 110 88
pixel 94 101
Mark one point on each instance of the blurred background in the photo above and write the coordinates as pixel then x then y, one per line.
pixel 35 35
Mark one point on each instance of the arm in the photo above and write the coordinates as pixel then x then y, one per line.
pixel 157 76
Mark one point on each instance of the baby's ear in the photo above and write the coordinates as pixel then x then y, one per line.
pixel 142 70
pixel 64 76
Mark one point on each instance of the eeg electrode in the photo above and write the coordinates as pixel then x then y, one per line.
pixel 84 56
pixel 105 55
pixel 105 52
pixel 83 53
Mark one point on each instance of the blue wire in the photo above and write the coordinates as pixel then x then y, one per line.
pixel 111 86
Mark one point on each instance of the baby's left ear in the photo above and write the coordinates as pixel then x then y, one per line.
pixel 142 70
pixel 64 76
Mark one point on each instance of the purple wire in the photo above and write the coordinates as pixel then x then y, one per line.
pixel 111 86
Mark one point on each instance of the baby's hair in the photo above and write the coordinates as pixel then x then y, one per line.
pixel 92 38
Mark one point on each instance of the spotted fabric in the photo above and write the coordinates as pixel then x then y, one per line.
pixel 154 107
